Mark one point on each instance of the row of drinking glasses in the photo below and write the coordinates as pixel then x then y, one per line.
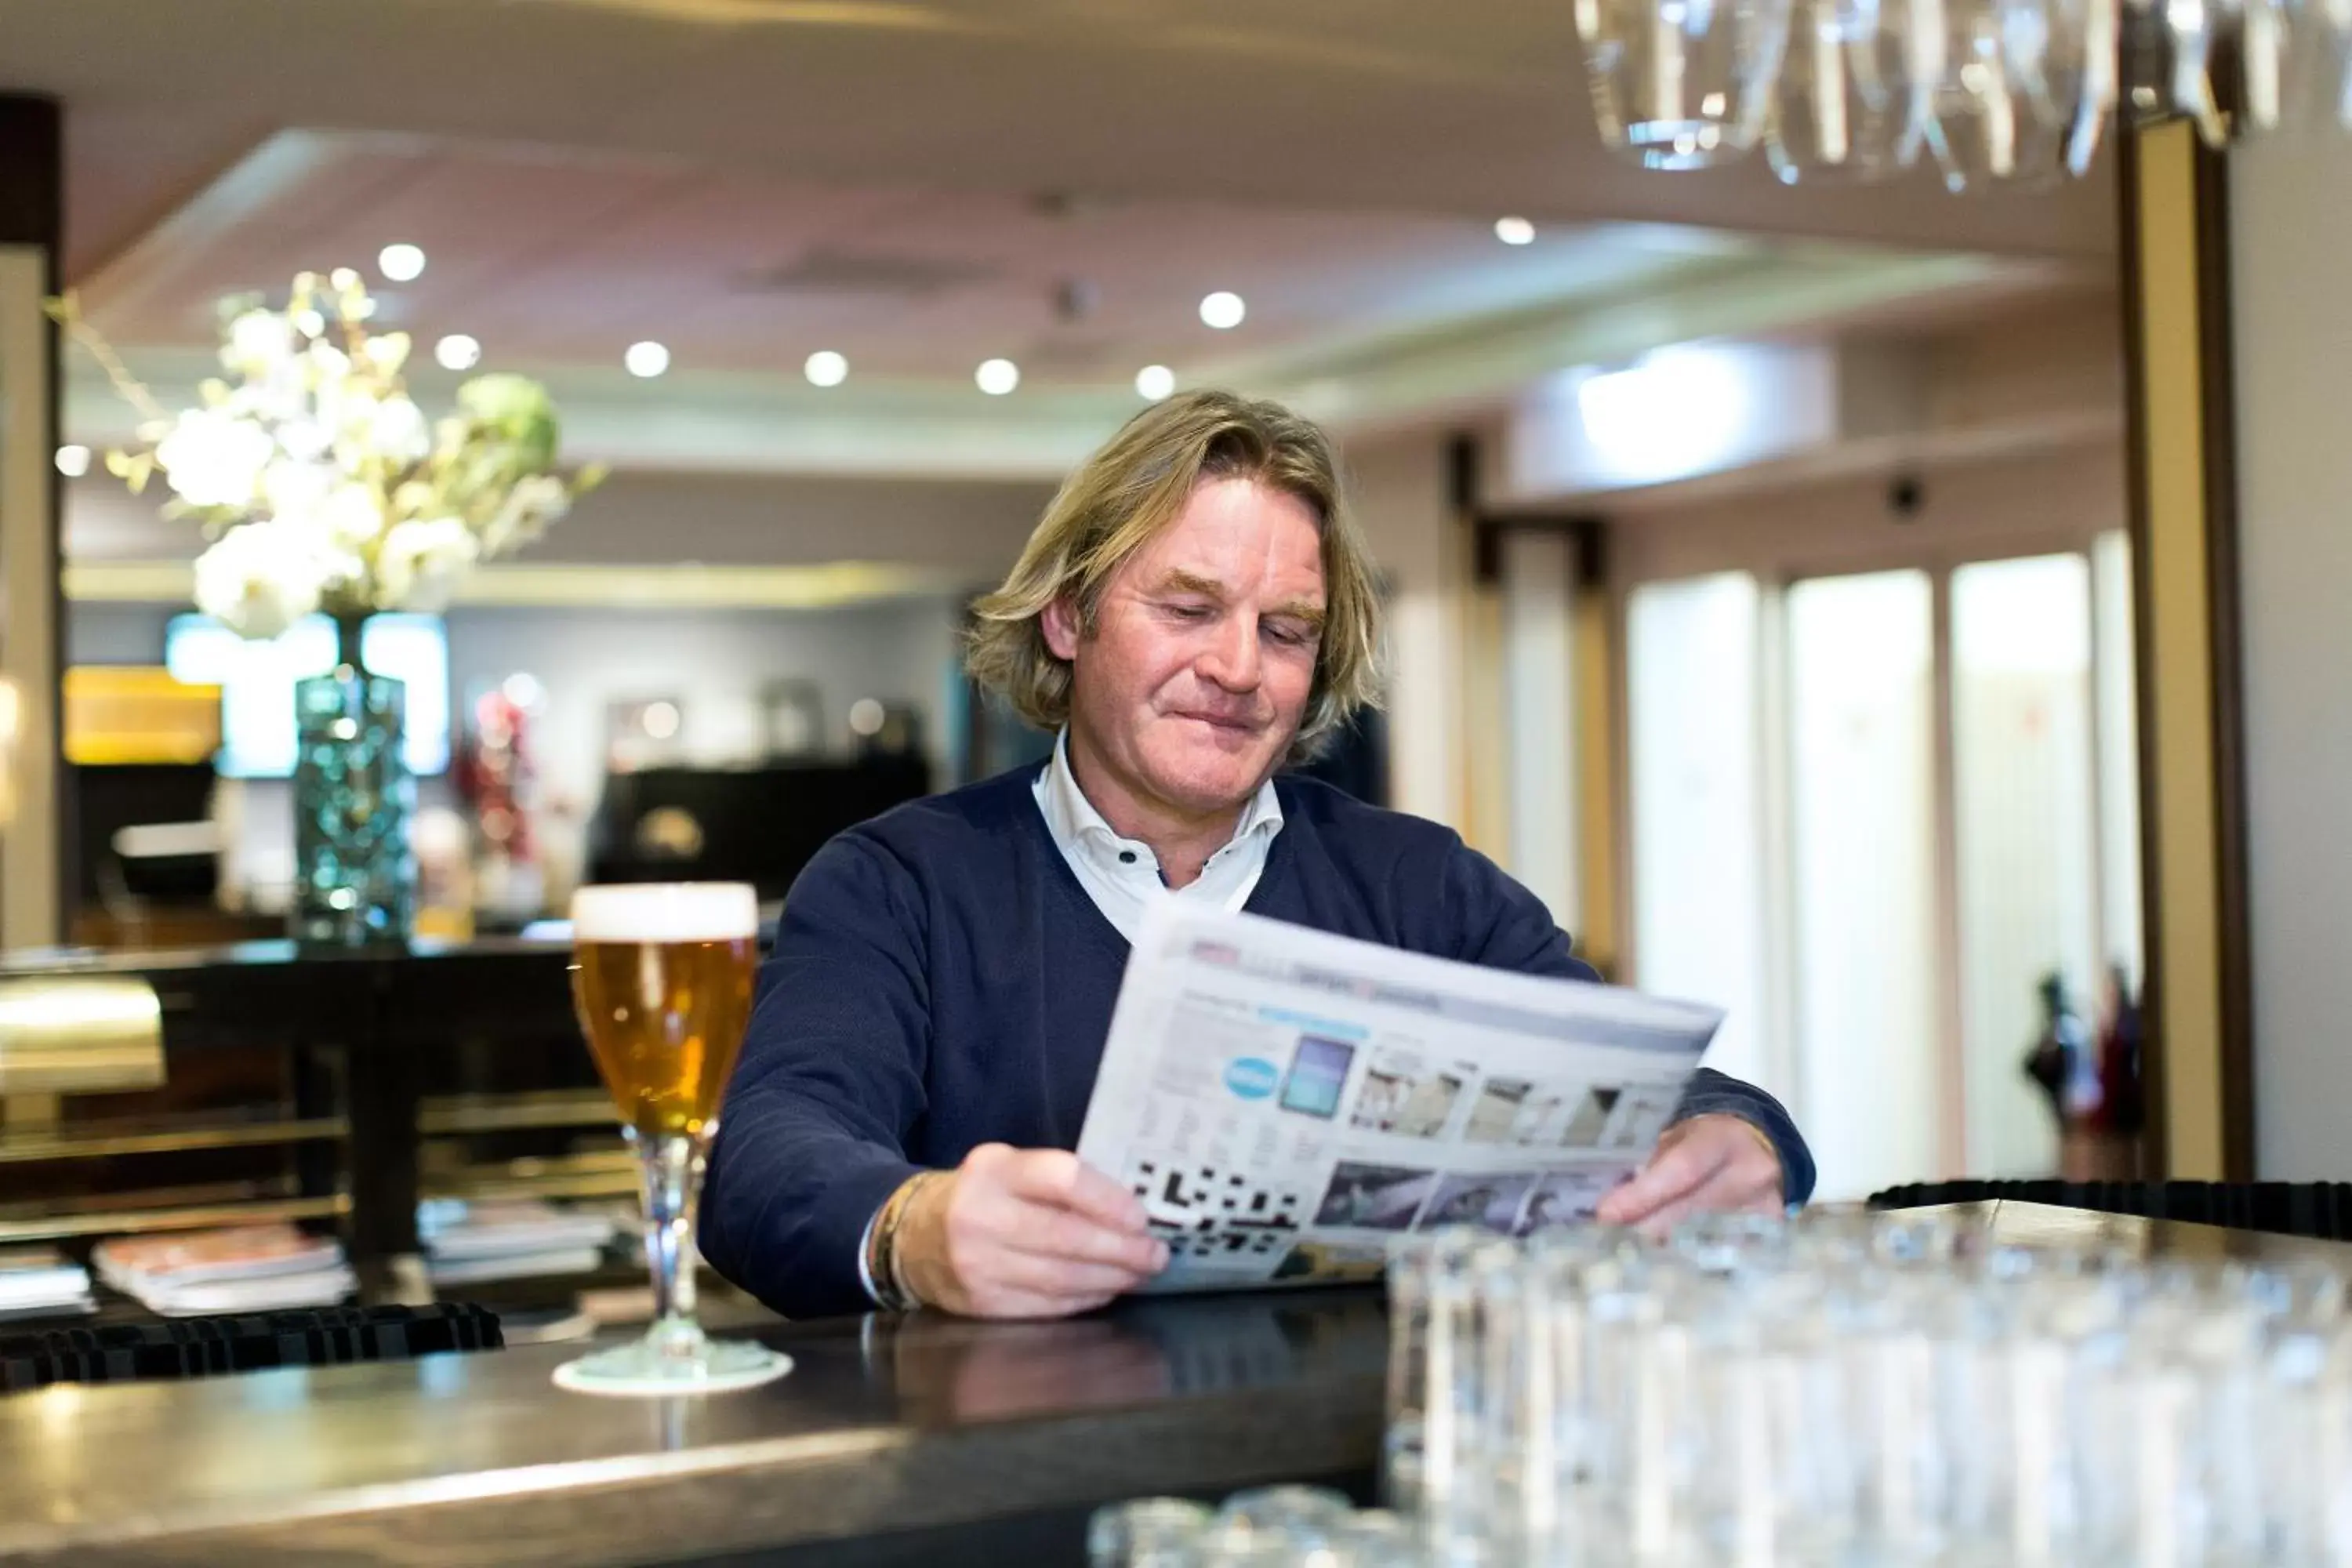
pixel 1271 1527
pixel 1854 1391
pixel 1985 91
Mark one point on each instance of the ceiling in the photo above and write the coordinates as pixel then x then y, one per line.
pixel 923 184
pixel 1471 108
pixel 555 258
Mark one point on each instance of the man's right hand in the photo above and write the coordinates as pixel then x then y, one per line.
pixel 1024 1233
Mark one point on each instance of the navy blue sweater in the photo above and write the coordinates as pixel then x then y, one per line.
pixel 940 980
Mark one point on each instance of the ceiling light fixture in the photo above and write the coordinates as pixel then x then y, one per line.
pixel 400 263
pixel 458 351
pixel 1154 381
pixel 73 461
pixel 1675 85
pixel 645 359
pixel 997 376
pixel 1223 310
pixel 827 368
pixel 1514 231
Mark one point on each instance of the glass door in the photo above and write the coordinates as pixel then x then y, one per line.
pixel 1699 912
pixel 2024 814
pixel 1861 757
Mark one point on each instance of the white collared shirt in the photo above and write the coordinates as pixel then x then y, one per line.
pixel 1122 875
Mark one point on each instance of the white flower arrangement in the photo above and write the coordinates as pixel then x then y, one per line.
pixel 321 482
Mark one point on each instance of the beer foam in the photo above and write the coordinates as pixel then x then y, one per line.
pixel 665 912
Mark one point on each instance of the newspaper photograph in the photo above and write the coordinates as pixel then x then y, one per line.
pixel 1285 1102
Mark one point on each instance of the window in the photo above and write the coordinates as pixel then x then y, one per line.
pixel 1862 866
pixel 1870 871
pixel 1698 810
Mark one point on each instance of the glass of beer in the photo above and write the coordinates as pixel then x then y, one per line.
pixel 662 973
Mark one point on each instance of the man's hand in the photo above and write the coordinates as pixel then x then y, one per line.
pixel 1707 1163
pixel 1024 1233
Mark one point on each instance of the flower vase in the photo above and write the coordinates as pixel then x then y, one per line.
pixel 354 878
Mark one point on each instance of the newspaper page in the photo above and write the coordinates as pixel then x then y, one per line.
pixel 1285 1102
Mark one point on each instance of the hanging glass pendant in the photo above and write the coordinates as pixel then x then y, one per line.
pixel 1992 93
pixel 1844 106
pixel 2295 57
pixel 1683 84
pixel 2015 84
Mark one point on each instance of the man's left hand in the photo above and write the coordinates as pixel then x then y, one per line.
pixel 1708 1163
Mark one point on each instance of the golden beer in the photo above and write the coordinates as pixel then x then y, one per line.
pixel 663 1020
pixel 662 974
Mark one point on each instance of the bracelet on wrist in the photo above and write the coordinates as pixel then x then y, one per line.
pixel 883 1265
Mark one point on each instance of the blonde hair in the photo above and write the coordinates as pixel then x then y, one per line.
pixel 1125 494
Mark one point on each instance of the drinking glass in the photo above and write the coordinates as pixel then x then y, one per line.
pixel 2307 1443
pixel 1273 1510
pixel 1276 1527
pixel 1149 1532
pixel 1680 84
pixel 1409 1263
pixel 1375 1538
pixel 661 975
pixel 1455 1474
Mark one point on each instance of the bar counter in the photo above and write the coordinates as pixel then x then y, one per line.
pixel 894 1440
pixel 919 1439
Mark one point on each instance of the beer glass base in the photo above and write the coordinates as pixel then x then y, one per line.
pixel 640 1370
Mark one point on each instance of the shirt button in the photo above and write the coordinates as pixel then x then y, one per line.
pixel 1127 857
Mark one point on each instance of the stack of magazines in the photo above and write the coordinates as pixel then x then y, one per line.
pixel 42 1282
pixel 245 1268
pixel 468 1242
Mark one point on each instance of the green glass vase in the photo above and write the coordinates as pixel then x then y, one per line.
pixel 355 877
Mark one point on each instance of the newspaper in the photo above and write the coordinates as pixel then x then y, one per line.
pixel 1287 1102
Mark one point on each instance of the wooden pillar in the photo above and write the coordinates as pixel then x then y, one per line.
pixel 2182 442
pixel 1484 786
pixel 33 864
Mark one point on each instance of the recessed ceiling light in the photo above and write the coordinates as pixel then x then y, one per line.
pixel 400 263
pixel 458 351
pixel 1514 231
pixel 1154 381
pixel 827 368
pixel 73 461
pixel 997 376
pixel 1222 309
pixel 646 359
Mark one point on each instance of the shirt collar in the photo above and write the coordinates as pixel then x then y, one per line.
pixel 1073 819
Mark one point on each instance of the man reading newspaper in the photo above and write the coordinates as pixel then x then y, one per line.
pixel 1195 611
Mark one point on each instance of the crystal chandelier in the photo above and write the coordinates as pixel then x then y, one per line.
pixel 1987 92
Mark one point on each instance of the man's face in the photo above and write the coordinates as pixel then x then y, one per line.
pixel 1197 673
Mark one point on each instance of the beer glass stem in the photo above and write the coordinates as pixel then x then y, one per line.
pixel 673 1179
